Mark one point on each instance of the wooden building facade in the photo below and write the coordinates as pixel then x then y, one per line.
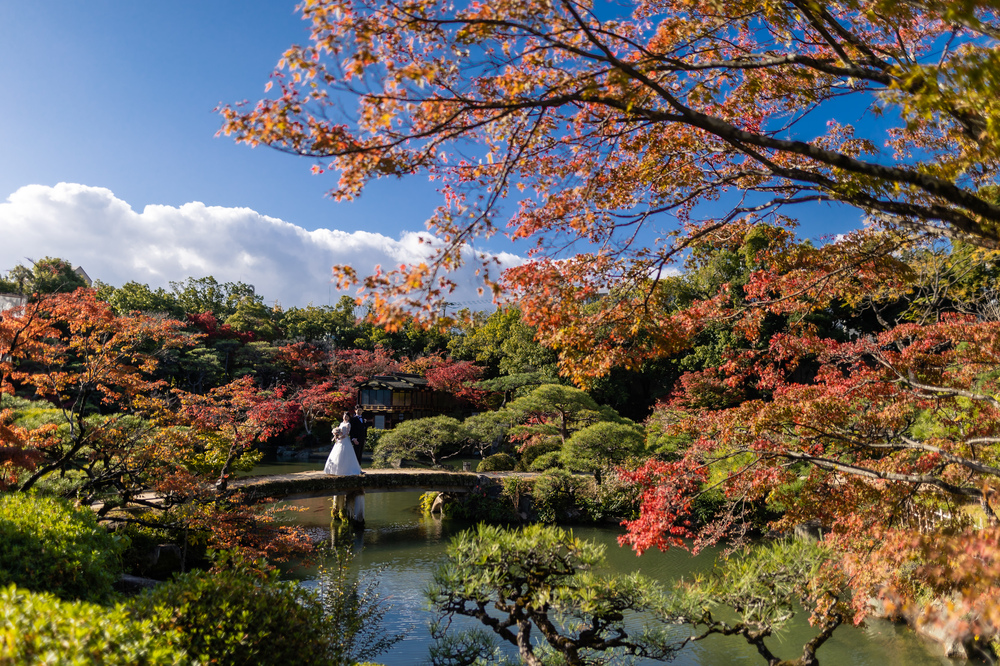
pixel 399 397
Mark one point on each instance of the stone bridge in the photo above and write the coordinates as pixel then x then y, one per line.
pixel 317 484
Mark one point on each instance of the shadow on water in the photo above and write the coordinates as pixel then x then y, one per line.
pixel 404 547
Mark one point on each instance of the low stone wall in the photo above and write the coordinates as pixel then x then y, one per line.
pixel 315 484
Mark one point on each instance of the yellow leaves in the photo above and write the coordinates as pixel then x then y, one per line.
pixel 563 125
pixel 415 280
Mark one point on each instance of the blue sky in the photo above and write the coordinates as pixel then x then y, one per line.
pixel 115 99
pixel 120 94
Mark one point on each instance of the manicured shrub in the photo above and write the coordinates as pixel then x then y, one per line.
pixel 516 488
pixel 612 500
pixel 48 546
pixel 231 617
pixel 498 462
pixel 234 616
pixel 487 431
pixel 374 437
pixel 556 494
pixel 550 460
pixel 601 446
pixel 429 440
pixel 530 454
pixel 39 628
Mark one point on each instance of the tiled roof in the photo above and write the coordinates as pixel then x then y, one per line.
pixel 396 380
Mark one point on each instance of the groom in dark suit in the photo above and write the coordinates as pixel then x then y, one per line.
pixel 359 432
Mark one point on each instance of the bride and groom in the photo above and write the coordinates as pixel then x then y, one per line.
pixel 345 456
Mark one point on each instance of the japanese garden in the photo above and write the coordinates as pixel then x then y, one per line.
pixel 687 429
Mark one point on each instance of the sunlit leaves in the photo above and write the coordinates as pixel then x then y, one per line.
pixel 632 135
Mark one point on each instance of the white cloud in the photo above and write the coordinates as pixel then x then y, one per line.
pixel 92 228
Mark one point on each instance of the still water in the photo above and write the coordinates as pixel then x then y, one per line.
pixel 404 548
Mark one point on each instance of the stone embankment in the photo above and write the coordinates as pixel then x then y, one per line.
pixel 316 483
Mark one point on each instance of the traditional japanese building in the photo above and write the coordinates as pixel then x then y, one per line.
pixel 399 396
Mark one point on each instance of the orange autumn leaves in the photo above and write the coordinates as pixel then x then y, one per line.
pixel 610 143
pixel 116 431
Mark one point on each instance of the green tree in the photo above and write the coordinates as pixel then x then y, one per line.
pixel 260 360
pixel 8 286
pixel 50 275
pixel 764 589
pixel 405 338
pixel 199 295
pixel 252 316
pixel 505 345
pixel 557 494
pixel 428 440
pixel 600 446
pixel 137 297
pixel 487 430
pixel 552 410
pixel 336 324
pixel 200 368
pixel 541 580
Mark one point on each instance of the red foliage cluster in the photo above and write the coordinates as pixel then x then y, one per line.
pixel 122 432
pixel 208 324
pixel 458 378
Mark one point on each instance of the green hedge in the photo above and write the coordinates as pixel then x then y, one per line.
pixel 546 461
pixel 39 628
pixel 498 462
pixel 48 546
pixel 529 455
pixel 229 617
pixel 557 495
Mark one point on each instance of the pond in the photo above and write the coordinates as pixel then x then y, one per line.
pixel 405 547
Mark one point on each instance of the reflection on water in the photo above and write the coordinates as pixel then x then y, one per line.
pixel 404 548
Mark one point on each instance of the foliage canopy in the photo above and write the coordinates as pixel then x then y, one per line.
pixel 631 136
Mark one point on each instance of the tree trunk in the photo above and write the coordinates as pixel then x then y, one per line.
pixel 524 644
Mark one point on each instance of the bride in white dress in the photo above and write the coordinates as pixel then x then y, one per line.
pixel 342 460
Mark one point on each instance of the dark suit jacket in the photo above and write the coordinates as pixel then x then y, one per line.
pixel 359 429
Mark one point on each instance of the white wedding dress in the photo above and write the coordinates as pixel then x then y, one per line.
pixel 342 460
